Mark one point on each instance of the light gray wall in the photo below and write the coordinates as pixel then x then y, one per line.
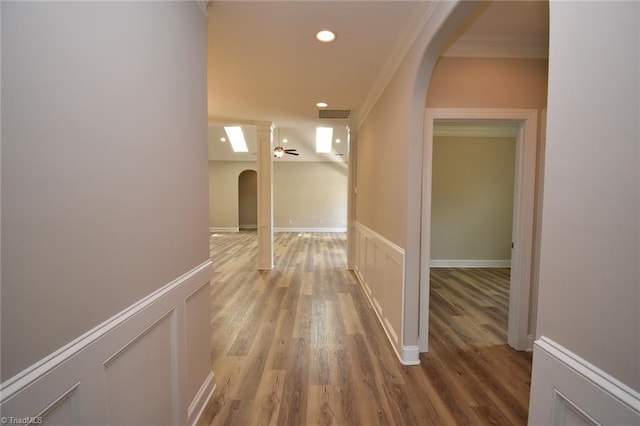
pixel 104 147
pixel 589 278
pixel 309 194
pixel 472 197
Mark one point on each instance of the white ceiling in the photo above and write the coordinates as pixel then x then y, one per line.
pixel 264 63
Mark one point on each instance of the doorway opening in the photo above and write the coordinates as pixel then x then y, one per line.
pixel 248 200
pixel 471 229
pixel 524 122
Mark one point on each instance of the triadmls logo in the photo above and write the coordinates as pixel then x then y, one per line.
pixel 21 420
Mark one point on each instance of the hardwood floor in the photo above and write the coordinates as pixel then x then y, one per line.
pixel 299 345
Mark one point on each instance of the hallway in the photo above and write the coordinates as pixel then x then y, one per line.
pixel 301 345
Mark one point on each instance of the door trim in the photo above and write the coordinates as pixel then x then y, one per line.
pixel 518 335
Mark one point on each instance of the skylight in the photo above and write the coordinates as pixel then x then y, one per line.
pixel 324 135
pixel 236 137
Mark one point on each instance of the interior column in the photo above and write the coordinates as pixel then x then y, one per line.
pixel 265 195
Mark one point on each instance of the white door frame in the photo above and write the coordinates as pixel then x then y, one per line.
pixel 518 335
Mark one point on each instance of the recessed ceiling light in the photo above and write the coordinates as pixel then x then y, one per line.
pixel 223 139
pixel 325 36
pixel 322 104
pixel 284 140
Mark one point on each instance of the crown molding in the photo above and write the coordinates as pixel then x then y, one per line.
pixel 499 46
pixel 398 53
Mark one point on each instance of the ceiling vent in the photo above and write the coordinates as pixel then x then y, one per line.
pixel 334 113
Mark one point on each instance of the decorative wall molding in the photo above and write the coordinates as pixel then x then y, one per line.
pixel 470 263
pixel 379 268
pixel 74 382
pixel 398 54
pixel 566 389
pixel 499 46
pixel 309 229
pixel 214 230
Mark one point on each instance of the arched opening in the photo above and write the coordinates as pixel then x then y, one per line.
pixel 248 200
pixel 490 87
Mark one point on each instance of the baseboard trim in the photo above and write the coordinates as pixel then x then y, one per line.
pixel 213 230
pixel 309 229
pixel 410 355
pixel 245 227
pixel 470 263
pixel 201 399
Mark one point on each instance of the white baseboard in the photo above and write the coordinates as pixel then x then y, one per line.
pixel 86 381
pixel 282 229
pixel 200 401
pixel 245 227
pixel 214 230
pixel 470 263
pixel 568 390
pixel 410 355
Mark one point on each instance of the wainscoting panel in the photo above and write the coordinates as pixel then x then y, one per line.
pixel 380 270
pixel 131 369
pixel 61 412
pixel 145 366
pixel 198 347
pixel 567 390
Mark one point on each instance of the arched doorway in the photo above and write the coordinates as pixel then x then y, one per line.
pixel 248 200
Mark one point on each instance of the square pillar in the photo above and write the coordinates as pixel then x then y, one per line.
pixel 265 195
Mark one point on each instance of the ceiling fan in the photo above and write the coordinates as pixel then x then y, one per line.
pixel 279 151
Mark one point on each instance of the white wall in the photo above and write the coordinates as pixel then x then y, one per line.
pixel 589 303
pixel 104 198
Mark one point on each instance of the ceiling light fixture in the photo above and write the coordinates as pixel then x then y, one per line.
pixel 223 139
pixel 322 104
pixel 325 36
pixel 338 140
pixel 324 135
pixel 236 137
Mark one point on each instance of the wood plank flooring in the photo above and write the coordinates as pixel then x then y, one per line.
pixel 299 345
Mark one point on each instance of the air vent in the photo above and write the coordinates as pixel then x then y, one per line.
pixel 334 113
